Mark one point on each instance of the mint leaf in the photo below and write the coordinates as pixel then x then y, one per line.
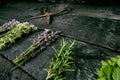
pixel 110 69
pixel 102 78
pixel 118 62
pixel 116 74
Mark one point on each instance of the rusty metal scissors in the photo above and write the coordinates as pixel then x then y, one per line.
pixel 49 14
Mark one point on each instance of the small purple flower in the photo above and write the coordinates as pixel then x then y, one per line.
pixel 47 43
pixel 9 25
pixel 45 39
pixel 56 36
pixel 41 37
pixel 42 47
pixel 35 39
pixel 32 54
pixel 48 35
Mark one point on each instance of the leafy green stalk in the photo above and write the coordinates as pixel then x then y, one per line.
pixel 110 70
pixel 62 61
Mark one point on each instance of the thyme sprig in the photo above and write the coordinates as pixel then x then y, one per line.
pixel 16 32
pixel 62 61
pixel 42 41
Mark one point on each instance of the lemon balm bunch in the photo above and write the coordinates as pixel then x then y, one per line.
pixel 16 32
pixel 42 41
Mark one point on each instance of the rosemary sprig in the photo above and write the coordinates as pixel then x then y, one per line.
pixel 62 61
pixel 20 29
pixel 39 43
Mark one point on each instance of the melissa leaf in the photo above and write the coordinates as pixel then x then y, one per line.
pixel 116 74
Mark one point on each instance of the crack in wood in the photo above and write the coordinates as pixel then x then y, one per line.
pixel 71 37
pixel 78 40
pixel 18 67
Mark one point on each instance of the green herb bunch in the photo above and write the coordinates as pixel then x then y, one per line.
pixel 16 32
pixel 110 69
pixel 41 42
pixel 62 61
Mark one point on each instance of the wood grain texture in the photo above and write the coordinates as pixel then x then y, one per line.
pixel 7 74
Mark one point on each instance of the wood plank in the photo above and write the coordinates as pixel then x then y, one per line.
pixel 96 30
pixel 93 25
pixel 7 74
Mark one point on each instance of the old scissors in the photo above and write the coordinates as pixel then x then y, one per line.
pixel 49 14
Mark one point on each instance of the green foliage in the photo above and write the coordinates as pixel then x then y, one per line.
pixel 62 61
pixel 116 74
pixel 16 32
pixel 110 69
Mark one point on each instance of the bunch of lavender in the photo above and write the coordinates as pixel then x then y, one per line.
pixel 9 25
pixel 39 43
pixel 62 61
pixel 20 29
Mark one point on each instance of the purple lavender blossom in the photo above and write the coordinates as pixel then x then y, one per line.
pixel 32 54
pixel 41 37
pixel 9 25
pixel 35 39
pixel 47 43
pixel 45 39
pixel 56 36
pixel 42 47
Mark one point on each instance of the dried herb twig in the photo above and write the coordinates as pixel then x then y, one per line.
pixel 62 61
pixel 39 43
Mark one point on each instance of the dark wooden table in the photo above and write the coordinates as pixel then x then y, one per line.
pixel 96 30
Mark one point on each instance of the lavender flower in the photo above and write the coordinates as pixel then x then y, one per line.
pixel 20 29
pixel 47 37
pixel 32 54
pixel 9 25
pixel 34 40
pixel 41 37
pixel 41 42
pixel 42 47
pixel 47 43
